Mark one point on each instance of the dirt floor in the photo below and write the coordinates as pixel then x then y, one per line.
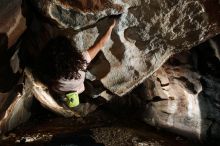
pixel 100 128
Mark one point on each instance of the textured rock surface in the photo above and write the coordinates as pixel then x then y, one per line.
pixel 77 14
pixel 185 100
pixel 147 34
pixel 177 108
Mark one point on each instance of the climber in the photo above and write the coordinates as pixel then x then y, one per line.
pixel 62 67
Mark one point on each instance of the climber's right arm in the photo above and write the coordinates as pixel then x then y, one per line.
pixel 93 51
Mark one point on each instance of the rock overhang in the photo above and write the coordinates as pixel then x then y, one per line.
pixel 147 33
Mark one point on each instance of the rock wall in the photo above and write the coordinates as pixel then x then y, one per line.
pixel 184 95
pixel 14 101
pixel 12 25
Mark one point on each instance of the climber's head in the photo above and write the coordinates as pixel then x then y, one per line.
pixel 59 59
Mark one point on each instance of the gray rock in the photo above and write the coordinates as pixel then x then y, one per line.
pixel 77 14
pixel 146 35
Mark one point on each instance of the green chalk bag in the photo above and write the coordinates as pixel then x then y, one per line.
pixel 72 99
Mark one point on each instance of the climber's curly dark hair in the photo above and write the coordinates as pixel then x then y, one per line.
pixel 59 59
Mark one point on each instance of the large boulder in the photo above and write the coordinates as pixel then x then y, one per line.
pixel 147 33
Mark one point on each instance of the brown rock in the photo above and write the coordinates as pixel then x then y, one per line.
pixel 12 25
pixel 12 22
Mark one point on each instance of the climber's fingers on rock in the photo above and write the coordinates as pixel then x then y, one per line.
pixel 112 25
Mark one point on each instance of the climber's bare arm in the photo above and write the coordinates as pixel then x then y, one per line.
pixel 93 51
